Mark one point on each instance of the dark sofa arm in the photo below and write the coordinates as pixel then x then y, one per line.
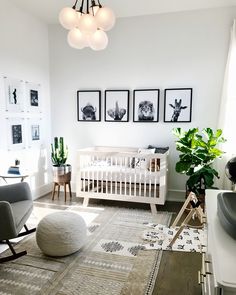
pixel 7 223
pixel 15 192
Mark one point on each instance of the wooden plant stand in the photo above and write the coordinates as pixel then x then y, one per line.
pixel 61 180
pixel 195 209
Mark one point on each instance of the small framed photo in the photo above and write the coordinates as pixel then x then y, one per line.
pixel 89 105
pixel 178 105
pixel 146 105
pixel 116 105
pixel 34 131
pixel 33 97
pixel 16 133
pixel 14 94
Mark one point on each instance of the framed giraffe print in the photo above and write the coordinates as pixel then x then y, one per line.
pixel 146 105
pixel 116 105
pixel 178 105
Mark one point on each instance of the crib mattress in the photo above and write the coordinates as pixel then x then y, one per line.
pixel 120 174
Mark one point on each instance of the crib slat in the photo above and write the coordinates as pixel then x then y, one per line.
pixel 116 176
pixel 140 182
pixel 145 183
pixel 135 180
pixel 121 168
pixel 155 180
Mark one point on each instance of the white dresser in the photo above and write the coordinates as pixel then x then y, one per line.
pixel 218 274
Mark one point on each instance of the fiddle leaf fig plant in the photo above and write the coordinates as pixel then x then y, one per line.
pixel 197 154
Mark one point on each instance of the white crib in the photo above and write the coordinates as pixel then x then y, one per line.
pixel 122 174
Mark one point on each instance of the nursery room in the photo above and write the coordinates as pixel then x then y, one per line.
pixel 117 147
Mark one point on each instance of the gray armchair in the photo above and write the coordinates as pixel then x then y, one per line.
pixel 16 205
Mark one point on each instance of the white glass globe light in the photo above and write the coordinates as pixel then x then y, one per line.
pixel 94 9
pixel 98 40
pixel 68 18
pixel 105 18
pixel 79 15
pixel 87 24
pixel 76 39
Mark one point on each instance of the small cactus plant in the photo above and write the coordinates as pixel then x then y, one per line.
pixel 59 152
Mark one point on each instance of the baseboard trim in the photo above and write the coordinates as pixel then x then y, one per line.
pixel 41 191
pixel 172 195
pixel 176 195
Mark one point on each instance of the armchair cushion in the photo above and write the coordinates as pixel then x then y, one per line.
pixel 16 205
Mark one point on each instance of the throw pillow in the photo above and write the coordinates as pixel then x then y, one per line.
pixel 159 150
pixel 142 162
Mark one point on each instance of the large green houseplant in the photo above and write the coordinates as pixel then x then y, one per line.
pixel 59 154
pixel 198 151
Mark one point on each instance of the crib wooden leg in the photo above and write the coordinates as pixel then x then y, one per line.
pixel 153 208
pixel 86 201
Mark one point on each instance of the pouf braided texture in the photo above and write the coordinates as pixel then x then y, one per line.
pixel 61 233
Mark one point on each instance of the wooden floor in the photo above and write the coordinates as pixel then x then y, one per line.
pixel 178 270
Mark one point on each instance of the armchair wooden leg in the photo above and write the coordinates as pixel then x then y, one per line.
pixel 27 231
pixel 14 254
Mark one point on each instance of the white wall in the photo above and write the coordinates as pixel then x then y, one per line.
pixel 24 55
pixel 185 49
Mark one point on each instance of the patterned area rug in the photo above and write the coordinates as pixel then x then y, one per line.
pixel 160 236
pixel 112 262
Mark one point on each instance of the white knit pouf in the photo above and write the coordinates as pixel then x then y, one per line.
pixel 61 233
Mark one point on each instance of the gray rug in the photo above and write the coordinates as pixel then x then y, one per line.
pixel 112 261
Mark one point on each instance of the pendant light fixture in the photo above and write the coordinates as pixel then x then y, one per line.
pixel 87 25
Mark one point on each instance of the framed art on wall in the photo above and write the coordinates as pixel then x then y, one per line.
pixel 89 105
pixel 146 105
pixel 178 105
pixel 116 105
pixel 16 133
pixel 33 97
pixel 34 131
pixel 14 94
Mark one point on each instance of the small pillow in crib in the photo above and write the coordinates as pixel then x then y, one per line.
pixel 142 162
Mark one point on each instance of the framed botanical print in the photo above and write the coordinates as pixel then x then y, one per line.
pixel 116 105
pixel 146 105
pixel 178 105
pixel 14 94
pixel 89 105
pixel 33 97
pixel 16 133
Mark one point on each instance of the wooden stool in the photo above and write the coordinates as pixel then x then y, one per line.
pixel 61 180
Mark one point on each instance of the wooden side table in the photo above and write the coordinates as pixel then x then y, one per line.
pixel 61 180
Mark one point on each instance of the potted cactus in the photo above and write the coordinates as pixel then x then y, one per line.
pixel 59 153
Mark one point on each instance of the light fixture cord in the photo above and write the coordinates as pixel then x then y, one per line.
pixel 74 6
pixel 88 6
pixel 81 7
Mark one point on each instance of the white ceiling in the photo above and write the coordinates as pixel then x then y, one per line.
pixel 47 10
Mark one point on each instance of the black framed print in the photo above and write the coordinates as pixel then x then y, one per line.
pixel 146 105
pixel 178 105
pixel 89 105
pixel 116 105
pixel 34 131
pixel 14 94
pixel 33 96
pixel 16 133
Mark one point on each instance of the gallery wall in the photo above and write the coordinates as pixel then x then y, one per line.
pixel 24 56
pixel 187 49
